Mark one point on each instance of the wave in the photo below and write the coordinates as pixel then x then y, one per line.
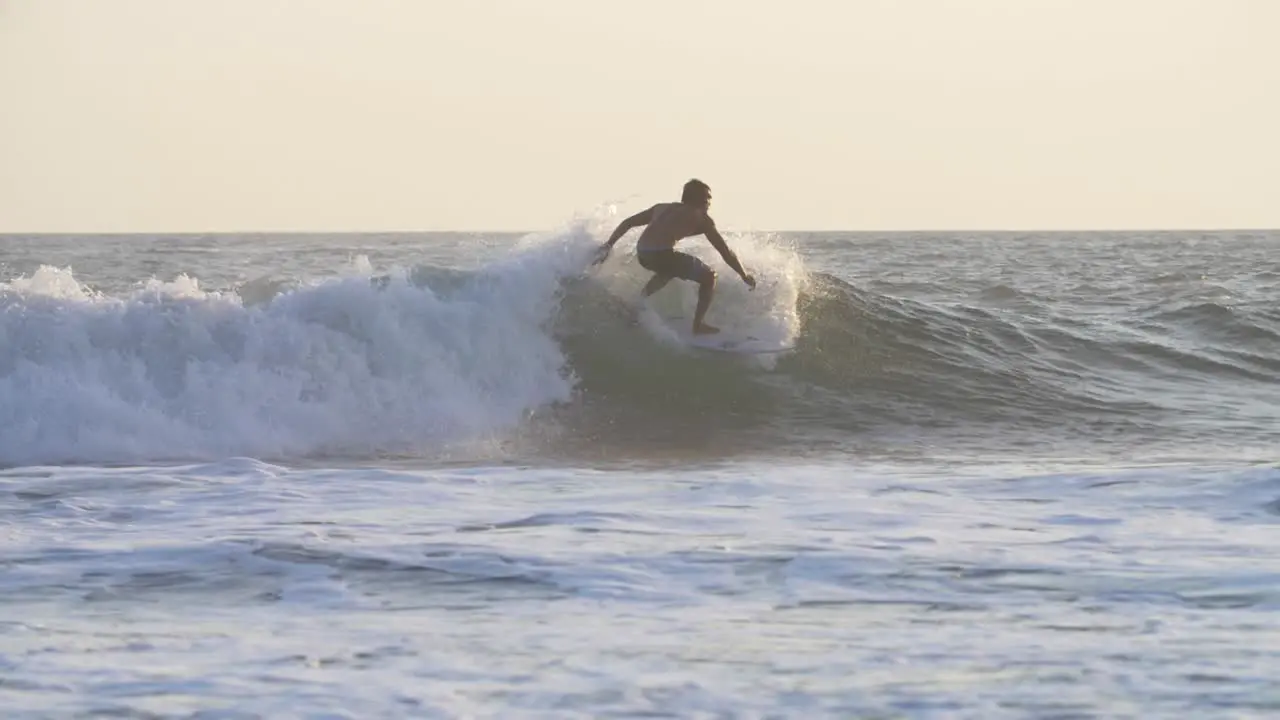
pixel 868 363
pixel 542 346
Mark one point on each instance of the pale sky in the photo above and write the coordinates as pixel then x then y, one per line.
pixel 329 115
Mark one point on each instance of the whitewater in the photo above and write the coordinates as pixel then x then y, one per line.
pixel 465 475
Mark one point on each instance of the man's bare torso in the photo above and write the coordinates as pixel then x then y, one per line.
pixel 671 223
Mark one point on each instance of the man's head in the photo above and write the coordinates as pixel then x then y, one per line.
pixel 696 193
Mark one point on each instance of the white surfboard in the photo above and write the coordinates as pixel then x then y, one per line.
pixel 677 331
pixel 726 341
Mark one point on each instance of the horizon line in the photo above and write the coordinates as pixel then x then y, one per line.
pixel 863 231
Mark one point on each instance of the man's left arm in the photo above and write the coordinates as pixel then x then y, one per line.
pixel 730 258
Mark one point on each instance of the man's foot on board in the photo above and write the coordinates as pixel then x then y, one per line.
pixel 705 329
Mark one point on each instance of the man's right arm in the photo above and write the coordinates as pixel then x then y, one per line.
pixel 641 218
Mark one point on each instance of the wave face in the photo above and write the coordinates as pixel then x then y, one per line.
pixel 914 347
pixel 1001 353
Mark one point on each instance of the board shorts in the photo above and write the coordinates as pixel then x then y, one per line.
pixel 674 264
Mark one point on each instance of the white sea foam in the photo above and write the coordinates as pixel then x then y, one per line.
pixel 344 364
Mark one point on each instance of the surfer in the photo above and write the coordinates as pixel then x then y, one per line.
pixel 667 224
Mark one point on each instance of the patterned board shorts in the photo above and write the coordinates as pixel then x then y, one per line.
pixel 673 264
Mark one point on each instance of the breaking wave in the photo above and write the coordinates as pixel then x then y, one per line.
pixel 541 344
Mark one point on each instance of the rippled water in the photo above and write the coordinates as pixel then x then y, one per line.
pixel 1000 476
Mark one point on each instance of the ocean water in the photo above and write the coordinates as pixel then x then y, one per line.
pixel 1000 475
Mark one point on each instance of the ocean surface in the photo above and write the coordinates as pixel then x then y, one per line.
pixel 998 475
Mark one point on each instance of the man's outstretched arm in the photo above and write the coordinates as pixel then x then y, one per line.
pixel 641 218
pixel 730 258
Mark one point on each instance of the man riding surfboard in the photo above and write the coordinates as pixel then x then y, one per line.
pixel 665 224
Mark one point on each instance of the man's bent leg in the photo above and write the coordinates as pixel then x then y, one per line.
pixel 706 288
pixel 656 283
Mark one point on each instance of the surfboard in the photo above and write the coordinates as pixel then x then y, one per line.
pixel 729 342
pixel 676 329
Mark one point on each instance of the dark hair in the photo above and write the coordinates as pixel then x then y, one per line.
pixel 695 190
